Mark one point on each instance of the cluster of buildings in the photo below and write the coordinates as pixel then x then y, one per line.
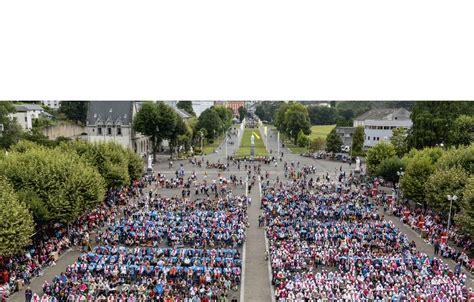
pixel 112 121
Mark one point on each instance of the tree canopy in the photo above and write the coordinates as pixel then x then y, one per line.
pixel 399 141
pixel 16 222
pixel 333 142
pixel 358 141
pixel 377 154
pixel 210 121
pixel 56 185
pixel 75 111
pixel 320 115
pixel 12 131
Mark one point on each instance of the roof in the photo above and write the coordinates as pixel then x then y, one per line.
pixel 181 113
pixel 345 129
pixel 27 107
pixel 114 112
pixel 384 114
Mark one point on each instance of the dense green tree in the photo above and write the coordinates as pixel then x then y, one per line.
pixel 302 139
pixel 180 131
pixel 433 122
pixel 465 217
pixel 417 172
pixel 358 141
pixel 266 110
pixel 320 115
pixel 136 165
pixel 75 111
pixel 443 182
pixel 109 158
pixel 36 135
pixel 211 122
pixel 16 222
pixel 399 141
pixel 296 121
pixel 56 185
pixel 156 120
pixel 333 142
pixel 242 113
pixel 346 114
pixel 10 131
pixel 186 106
pixel 279 119
pixel 377 154
pixel 225 115
pixel 389 167
pixel 462 157
pixel 462 132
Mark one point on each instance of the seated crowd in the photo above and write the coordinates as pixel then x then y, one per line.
pixel 335 246
pixel 146 274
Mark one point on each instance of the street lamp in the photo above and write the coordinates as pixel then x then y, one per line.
pixel 400 175
pixel 451 199
pixel 202 135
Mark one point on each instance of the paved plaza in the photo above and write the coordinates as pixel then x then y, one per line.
pixel 256 272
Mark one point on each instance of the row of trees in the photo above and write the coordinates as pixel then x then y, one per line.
pixel 44 185
pixel 291 119
pixel 161 122
pixel 428 175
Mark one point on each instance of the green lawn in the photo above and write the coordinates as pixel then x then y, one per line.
pixel 320 131
pixel 260 149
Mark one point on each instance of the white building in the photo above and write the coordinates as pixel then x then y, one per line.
pixel 26 113
pixel 52 104
pixel 112 121
pixel 379 123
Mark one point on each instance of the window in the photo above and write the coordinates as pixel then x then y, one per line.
pixel 26 119
pixel 109 131
pixel 386 127
pixel 119 130
pixel 368 138
pixel 380 127
pixel 99 130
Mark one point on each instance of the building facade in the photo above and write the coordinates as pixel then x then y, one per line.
pixel 379 123
pixel 234 105
pixel 26 113
pixel 52 104
pixel 112 121
pixel 345 133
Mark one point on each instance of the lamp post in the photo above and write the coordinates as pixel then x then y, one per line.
pixel 451 199
pixel 202 135
pixel 278 143
pixel 225 146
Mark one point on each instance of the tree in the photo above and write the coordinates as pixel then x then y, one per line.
pixel 416 175
pixel 389 167
pixel 56 185
pixel 302 140
pixel 333 142
pixel 399 141
pixel 462 157
pixel 12 131
pixel 433 122
pixel 462 132
pixel 110 159
pixel 320 115
pixel 377 154
pixel 242 113
pixel 16 222
pixel 319 143
pixel 135 165
pixel 266 110
pixel 225 115
pixel 211 122
pixel 156 120
pixel 179 132
pixel 297 121
pixel 358 141
pixel 186 106
pixel 465 217
pixel 75 111
pixel 442 183
pixel 279 119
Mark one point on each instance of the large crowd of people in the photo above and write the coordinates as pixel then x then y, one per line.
pixel 156 248
pixel 331 245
